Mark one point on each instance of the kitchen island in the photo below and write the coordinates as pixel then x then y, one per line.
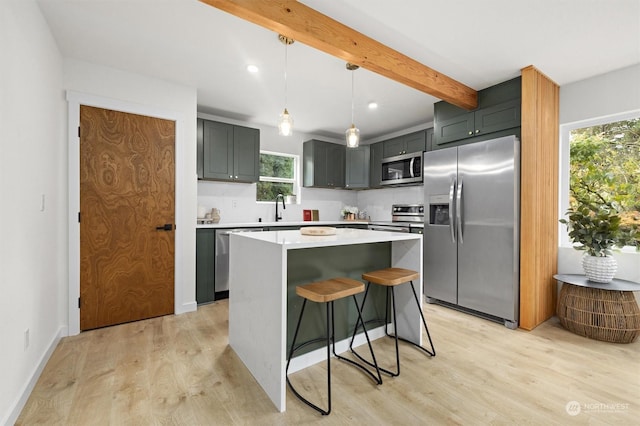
pixel 265 268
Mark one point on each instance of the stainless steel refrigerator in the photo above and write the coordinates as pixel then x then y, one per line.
pixel 471 231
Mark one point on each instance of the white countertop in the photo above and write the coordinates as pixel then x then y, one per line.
pixel 299 223
pixel 293 239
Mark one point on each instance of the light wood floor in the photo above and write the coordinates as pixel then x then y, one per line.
pixel 180 370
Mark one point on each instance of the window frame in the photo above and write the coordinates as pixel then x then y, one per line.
pixel 564 165
pixel 295 180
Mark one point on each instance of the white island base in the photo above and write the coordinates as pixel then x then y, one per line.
pixel 261 283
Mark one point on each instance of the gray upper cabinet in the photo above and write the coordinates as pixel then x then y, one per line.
pixel 429 139
pixel 357 167
pixel 228 152
pixel 376 152
pixel 498 114
pixel 323 164
pixel 413 142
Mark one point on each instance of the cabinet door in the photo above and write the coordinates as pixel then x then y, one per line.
pixel 415 142
pixel 205 265
pixel 200 147
pixel 428 139
pixel 503 116
pixel 217 150
pixel 335 161
pixel 453 129
pixel 314 167
pixel 375 175
pixel 246 154
pixel 357 173
pixel 393 147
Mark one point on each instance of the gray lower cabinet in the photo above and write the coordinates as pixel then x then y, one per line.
pixel 357 167
pixel 323 164
pixel 412 142
pixel 228 152
pixel 205 265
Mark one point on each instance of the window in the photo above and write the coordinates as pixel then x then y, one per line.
pixel 278 174
pixel 602 159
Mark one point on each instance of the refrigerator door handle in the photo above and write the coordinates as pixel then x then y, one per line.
pixel 452 192
pixel 459 210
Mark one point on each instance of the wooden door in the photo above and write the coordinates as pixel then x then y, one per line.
pixel 127 190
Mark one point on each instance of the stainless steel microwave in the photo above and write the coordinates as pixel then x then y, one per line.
pixel 402 169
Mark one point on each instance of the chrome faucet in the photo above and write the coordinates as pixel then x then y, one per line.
pixel 278 217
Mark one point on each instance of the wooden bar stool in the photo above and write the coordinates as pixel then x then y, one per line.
pixel 391 277
pixel 327 292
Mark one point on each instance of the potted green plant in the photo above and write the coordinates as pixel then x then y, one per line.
pixel 349 213
pixel 596 228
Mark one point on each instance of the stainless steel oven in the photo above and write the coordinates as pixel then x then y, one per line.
pixel 404 218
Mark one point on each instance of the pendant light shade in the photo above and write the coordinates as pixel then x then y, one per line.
pixel 285 121
pixel 285 124
pixel 352 134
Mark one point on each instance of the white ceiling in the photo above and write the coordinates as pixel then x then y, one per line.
pixel 478 43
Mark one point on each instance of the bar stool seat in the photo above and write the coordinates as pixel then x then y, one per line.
pixel 392 277
pixel 327 292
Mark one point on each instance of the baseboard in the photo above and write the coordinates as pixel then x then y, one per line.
pixel 188 307
pixel 26 390
pixel 320 355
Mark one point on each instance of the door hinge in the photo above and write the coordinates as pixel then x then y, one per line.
pixel 78 131
pixel 78 303
pixel 78 217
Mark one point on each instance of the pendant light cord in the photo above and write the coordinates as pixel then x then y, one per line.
pixel 352 92
pixel 286 45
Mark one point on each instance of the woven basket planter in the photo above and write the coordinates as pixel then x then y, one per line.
pixel 607 315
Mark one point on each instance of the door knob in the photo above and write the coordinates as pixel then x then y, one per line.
pixel 165 227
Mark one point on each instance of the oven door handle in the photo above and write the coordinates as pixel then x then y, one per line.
pixel 389 228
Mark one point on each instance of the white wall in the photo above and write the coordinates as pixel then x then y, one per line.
pixel 604 95
pixel 600 96
pixel 33 245
pixel 139 94
pixel 377 202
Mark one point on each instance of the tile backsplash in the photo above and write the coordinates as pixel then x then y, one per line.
pixel 237 202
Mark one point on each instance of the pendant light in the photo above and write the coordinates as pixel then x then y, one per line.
pixel 285 122
pixel 352 134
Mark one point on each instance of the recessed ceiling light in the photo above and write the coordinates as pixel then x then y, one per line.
pixel 373 105
pixel 252 69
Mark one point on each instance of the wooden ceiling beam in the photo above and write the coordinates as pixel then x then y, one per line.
pixel 298 21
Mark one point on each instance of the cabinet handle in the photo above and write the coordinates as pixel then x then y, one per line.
pixel 477 131
pixel 236 177
pixel 230 176
pixel 470 133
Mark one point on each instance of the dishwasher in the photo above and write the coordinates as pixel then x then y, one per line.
pixel 221 282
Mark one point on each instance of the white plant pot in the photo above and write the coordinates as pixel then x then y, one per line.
pixel 600 269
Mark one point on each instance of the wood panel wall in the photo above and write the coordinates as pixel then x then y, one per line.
pixel 539 198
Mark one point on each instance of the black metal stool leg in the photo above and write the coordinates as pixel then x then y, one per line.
pixel 355 329
pixel 431 352
pixel 292 351
pixel 392 305
pixel 386 319
pixel 378 379
pixel 395 332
